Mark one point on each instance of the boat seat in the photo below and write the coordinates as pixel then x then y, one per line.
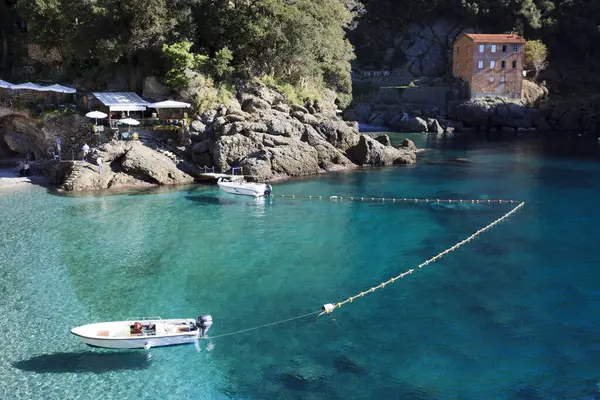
pixel 103 333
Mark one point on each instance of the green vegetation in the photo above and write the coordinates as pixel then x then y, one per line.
pixel 300 44
pixel 536 54
pixel 302 47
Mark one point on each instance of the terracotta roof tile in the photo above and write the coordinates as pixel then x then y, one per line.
pixel 495 38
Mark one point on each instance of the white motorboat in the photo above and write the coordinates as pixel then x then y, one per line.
pixel 143 332
pixel 240 186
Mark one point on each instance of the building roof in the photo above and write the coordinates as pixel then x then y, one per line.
pixel 121 101
pixel 495 38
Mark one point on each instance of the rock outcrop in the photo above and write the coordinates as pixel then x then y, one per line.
pixel 257 131
pixel 125 164
pixel 271 140
pixel 22 134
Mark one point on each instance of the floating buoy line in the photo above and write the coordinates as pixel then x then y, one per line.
pixel 330 307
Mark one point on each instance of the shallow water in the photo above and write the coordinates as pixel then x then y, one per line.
pixel 513 315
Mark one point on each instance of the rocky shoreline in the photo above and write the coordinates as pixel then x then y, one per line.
pixel 443 109
pixel 258 131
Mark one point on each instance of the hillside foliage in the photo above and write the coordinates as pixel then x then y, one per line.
pixel 305 45
pixel 301 43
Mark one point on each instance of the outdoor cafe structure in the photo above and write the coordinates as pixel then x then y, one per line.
pixel 121 106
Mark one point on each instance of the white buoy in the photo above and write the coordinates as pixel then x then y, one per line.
pixel 328 308
pixel 147 345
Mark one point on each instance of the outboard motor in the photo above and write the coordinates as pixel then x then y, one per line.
pixel 268 190
pixel 204 323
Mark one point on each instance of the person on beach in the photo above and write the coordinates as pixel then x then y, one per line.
pixel 99 162
pixel 26 168
pixel 86 150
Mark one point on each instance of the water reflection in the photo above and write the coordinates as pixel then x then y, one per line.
pixel 89 361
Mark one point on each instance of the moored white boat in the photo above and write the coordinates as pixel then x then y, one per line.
pixel 242 187
pixel 144 332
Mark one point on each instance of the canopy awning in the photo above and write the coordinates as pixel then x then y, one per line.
pixel 29 86
pixel 169 104
pixel 60 89
pixel 121 101
pixel 39 88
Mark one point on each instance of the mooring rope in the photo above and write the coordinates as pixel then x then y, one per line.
pixel 330 307
pixel 394 199
pixel 262 326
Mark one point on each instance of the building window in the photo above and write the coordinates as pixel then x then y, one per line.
pixel 467 65
pixel 491 78
pixel 493 48
pixel 504 48
pixel 468 49
pixel 457 50
pixel 457 66
pixel 515 48
pixel 502 79
pixel 492 64
pixel 514 64
pixel 481 48
pixel 503 64
pixel 480 64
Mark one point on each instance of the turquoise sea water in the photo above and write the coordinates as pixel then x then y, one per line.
pixel 513 315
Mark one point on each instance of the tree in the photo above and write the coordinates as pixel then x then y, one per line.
pixel 221 64
pixel 536 55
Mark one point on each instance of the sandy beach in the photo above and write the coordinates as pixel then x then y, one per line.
pixel 11 181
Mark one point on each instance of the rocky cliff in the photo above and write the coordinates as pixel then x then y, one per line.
pixel 257 131
pixel 270 139
pixel 124 165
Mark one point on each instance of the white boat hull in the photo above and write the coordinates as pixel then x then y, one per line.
pixel 118 334
pixel 141 342
pixel 243 188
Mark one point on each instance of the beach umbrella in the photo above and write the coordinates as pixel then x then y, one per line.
pixel 130 121
pixel 96 115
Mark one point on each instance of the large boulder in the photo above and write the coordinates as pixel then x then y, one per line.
pixel 289 127
pixel 415 124
pixel 125 164
pixel 329 158
pixel 338 133
pixel 258 165
pixel 434 126
pixel 152 166
pixel 297 158
pixel 229 150
pixel 493 111
pixel 368 151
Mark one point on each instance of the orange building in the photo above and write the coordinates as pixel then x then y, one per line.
pixel 491 64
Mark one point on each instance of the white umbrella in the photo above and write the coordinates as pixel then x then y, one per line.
pixel 96 115
pixel 130 121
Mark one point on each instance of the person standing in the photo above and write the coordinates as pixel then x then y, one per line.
pixel 99 162
pixel 58 146
pixel 26 168
pixel 86 150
